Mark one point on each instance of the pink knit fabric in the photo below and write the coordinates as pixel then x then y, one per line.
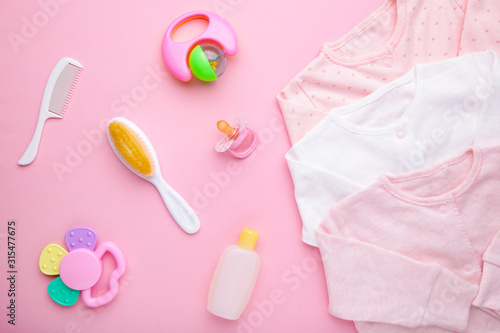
pixel 383 47
pixel 418 252
pixel 481 27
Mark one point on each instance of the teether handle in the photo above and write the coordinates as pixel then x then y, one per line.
pixel 113 285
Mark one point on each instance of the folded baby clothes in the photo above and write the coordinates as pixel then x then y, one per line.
pixel 383 47
pixel 419 252
pixel 481 27
pixel 433 112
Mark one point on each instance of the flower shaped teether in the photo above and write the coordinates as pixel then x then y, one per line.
pixel 80 268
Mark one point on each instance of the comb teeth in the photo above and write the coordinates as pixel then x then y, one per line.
pixel 63 89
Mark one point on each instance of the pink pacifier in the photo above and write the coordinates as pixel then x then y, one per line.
pixel 81 268
pixel 240 140
pixel 205 55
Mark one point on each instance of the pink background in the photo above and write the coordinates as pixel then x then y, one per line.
pixel 166 284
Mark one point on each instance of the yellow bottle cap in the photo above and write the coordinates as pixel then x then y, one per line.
pixel 248 238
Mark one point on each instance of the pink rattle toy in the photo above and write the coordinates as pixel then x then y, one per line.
pixel 81 268
pixel 240 140
pixel 205 55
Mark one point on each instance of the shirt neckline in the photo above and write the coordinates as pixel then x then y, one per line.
pixel 388 48
pixel 390 182
pixel 404 121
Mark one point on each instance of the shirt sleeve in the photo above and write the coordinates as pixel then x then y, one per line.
pixel 488 297
pixel 486 68
pixel 481 29
pixel 462 4
pixel 316 191
pixel 299 113
pixel 367 283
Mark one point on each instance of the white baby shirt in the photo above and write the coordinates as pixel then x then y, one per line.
pixel 433 112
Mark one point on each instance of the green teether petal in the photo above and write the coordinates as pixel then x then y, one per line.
pixel 200 66
pixel 62 294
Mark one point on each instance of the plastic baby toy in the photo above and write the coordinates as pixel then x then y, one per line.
pixel 240 140
pixel 81 268
pixel 205 55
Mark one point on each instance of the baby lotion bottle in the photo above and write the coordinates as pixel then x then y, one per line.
pixel 235 277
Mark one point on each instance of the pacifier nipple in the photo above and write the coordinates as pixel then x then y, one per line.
pixel 224 127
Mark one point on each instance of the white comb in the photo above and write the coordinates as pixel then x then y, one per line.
pixel 56 96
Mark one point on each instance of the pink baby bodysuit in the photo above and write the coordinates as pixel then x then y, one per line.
pixel 481 27
pixel 383 47
pixel 419 252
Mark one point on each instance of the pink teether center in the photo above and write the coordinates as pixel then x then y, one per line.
pixel 80 269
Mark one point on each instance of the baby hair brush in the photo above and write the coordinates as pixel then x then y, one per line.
pixel 133 148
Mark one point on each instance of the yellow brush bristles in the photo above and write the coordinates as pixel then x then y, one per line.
pixel 131 148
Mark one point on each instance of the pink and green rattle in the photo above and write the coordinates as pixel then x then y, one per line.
pixel 205 55
pixel 81 268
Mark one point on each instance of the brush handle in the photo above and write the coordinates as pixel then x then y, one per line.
pixel 180 210
pixel 30 153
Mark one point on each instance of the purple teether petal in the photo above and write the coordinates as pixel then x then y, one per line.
pixel 81 238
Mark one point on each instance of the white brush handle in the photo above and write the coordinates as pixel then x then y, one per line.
pixel 30 153
pixel 180 210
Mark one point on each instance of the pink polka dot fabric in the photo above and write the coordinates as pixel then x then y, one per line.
pixel 481 26
pixel 383 47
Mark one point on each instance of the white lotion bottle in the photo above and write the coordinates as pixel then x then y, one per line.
pixel 235 277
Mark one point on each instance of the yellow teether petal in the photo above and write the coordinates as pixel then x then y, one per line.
pixel 51 258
